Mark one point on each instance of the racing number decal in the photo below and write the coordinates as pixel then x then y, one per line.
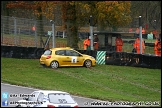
pixel 74 60
pixel 62 100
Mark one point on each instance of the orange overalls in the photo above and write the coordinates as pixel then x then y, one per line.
pixel 119 44
pixel 130 30
pixel 137 46
pixel 157 48
pixel 143 31
pixel 33 28
pixel 86 44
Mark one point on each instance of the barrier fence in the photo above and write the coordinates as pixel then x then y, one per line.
pixel 20 40
pixel 34 33
pixel 102 57
pixel 20 32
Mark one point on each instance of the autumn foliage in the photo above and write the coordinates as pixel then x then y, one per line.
pixel 77 13
pixel 116 13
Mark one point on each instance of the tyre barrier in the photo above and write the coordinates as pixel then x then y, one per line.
pixel 21 52
pixel 111 58
pixel 132 59
pixel 30 52
pixel 5 51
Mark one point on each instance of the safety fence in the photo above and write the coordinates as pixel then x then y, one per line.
pixel 33 33
pixel 20 32
pixel 102 57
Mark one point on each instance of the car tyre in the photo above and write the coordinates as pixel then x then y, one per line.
pixel 54 64
pixel 88 63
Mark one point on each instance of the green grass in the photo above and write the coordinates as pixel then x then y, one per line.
pixel 104 82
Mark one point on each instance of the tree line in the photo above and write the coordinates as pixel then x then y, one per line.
pixel 75 14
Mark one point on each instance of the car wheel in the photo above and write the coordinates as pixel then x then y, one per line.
pixel 54 64
pixel 88 63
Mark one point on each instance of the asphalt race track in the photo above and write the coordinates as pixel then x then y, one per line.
pixel 13 89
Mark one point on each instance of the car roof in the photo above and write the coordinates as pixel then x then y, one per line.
pixel 62 48
pixel 50 91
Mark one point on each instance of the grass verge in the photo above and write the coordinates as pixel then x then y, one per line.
pixel 104 82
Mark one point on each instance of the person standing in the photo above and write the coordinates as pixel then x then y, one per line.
pixel 137 45
pixel 118 43
pixel 137 30
pixel 33 28
pixel 130 30
pixel 157 47
pixel 86 44
pixel 143 31
pixel 95 42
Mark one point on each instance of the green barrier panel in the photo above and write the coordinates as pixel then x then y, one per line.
pixel 100 59
pixel 149 36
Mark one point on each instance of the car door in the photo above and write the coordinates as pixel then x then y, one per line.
pixel 77 58
pixel 73 58
pixel 61 57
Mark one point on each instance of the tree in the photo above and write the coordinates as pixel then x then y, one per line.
pixel 77 13
pixel 70 17
pixel 113 13
pixel 149 10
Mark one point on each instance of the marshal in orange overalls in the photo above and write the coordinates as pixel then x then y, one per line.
pixel 143 31
pixel 137 45
pixel 86 44
pixel 157 47
pixel 33 28
pixel 119 44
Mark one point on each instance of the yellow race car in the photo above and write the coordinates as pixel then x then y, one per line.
pixel 61 57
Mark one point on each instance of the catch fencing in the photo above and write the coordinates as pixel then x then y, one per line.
pixel 25 32
pixel 35 33
pixel 26 38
